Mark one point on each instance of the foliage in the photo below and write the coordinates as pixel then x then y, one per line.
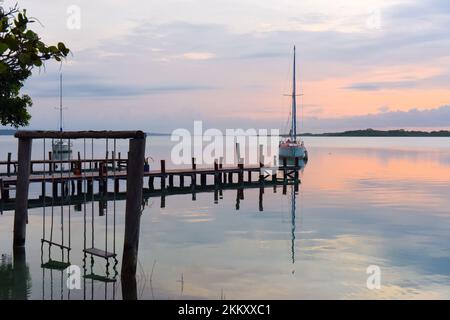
pixel 21 50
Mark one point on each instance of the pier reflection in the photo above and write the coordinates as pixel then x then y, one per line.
pixel 94 248
pixel 15 279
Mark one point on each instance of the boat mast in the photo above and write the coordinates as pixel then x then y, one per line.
pixel 294 105
pixel 60 104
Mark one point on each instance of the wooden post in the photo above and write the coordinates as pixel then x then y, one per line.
pixel 230 177
pixel 163 174
pixel 194 165
pixel 203 179
pixel 9 164
pixel 151 182
pixel 181 181
pixel 23 179
pixel 90 186
pixel 171 181
pixel 116 185
pixel 50 164
pixel 79 186
pixel 4 191
pixel 216 172
pixel 241 173
pixel 135 177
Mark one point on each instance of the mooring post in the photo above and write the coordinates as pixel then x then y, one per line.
pixel 171 181
pixel 163 174
pixel 50 164
pixel 9 164
pixel 79 186
pixel 216 172
pixel 135 176
pixel 203 179
pixel 23 179
pixel 194 165
pixel 241 173
pixel 181 181
pixel 151 181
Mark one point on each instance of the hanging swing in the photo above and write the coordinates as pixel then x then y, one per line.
pixel 93 251
pixel 65 248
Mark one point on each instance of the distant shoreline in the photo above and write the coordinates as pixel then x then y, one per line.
pixel 350 133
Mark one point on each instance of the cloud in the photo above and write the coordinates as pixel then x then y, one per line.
pixel 198 55
pixel 83 86
pixel 375 86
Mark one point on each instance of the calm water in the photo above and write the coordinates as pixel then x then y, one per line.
pixel 362 201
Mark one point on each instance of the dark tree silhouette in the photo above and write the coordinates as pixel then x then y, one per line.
pixel 21 50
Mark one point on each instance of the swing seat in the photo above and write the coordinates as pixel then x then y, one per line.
pixel 100 253
pixel 56 265
pixel 55 244
pixel 100 278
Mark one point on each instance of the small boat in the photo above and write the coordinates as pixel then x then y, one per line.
pixel 293 147
pixel 61 148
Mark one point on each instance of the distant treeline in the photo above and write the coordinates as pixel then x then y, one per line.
pixel 381 133
pixel 351 133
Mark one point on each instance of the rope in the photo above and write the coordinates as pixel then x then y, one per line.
pixel 114 200
pixel 43 198
pixel 84 218
pixel 70 197
pixel 92 211
pixel 62 196
pixel 105 186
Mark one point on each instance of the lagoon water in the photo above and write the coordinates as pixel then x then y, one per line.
pixel 361 202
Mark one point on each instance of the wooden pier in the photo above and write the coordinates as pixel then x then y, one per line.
pixel 72 180
pixel 105 170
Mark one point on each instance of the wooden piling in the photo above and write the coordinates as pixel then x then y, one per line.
pixel 171 181
pixel 23 178
pixel 133 206
pixel 8 168
pixel 241 173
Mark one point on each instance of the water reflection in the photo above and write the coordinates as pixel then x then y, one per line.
pixel 356 206
pixel 15 280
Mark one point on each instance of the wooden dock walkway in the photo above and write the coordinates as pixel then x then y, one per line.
pixel 83 182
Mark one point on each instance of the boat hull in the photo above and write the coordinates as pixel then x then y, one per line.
pixel 291 152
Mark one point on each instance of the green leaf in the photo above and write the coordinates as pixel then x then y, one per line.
pixel 3 67
pixel 3 47
pixel 61 46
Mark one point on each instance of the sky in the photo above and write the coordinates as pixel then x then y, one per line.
pixel 160 65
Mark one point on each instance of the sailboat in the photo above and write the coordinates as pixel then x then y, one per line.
pixel 293 147
pixel 61 149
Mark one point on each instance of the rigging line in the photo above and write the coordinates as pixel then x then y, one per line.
pixel 53 197
pixel 105 186
pixel 43 198
pixel 114 198
pixel 83 168
pixel 70 196
pixel 92 196
pixel 62 196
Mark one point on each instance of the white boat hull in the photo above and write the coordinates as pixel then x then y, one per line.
pixel 294 151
